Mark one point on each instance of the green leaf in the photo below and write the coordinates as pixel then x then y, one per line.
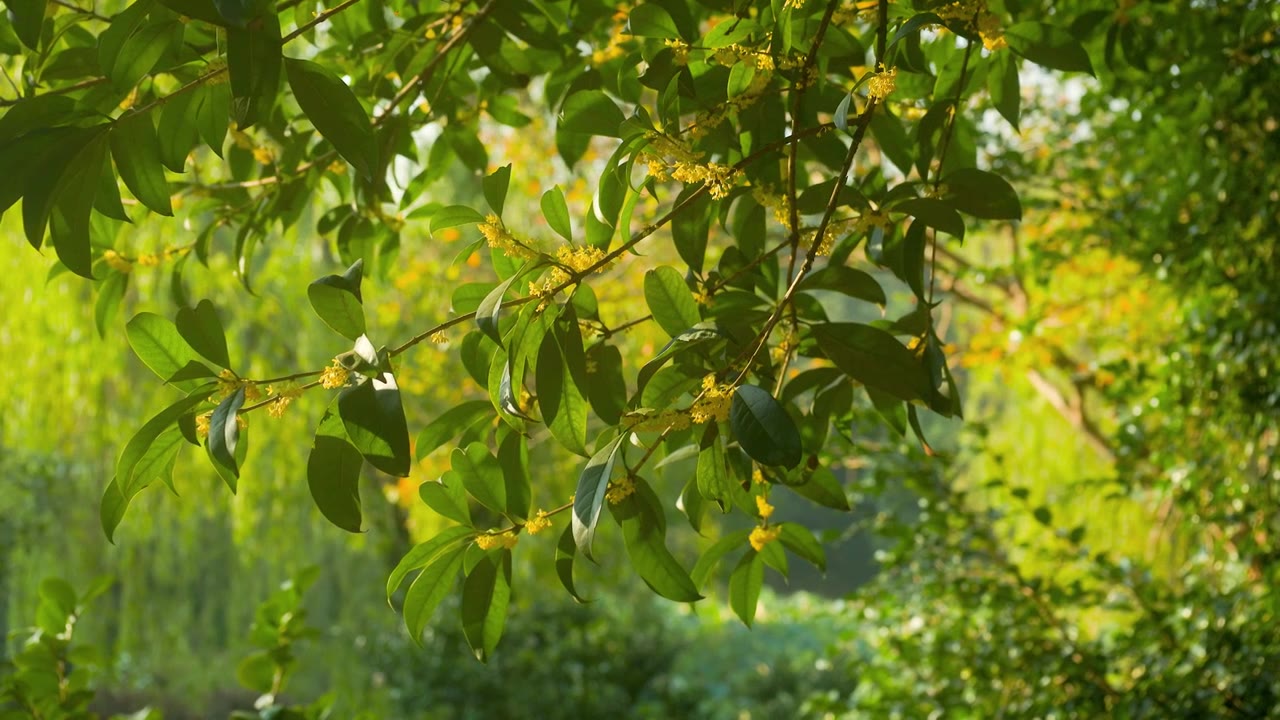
pixel 566 549
pixel 560 369
pixel 744 586
pixel 447 497
pixel 763 428
pixel 214 115
pixel 374 419
pixel 670 300
pixel 454 216
pixel 428 590
pixel 606 387
pixel 495 187
pixel 338 302
pixel 333 474
pixel 712 556
pixel 799 540
pixel 203 331
pixel 136 150
pixel 556 212
pixel 874 358
pixel 513 458
pixel 644 533
pixel 982 194
pixel 336 113
pixel 450 424
pixel 591 112
pixel 846 280
pixel 257 671
pixel 253 62
pixel 28 20
pixel 589 498
pixel 934 213
pixel 73 203
pixel 823 488
pixel 110 293
pixel 158 344
pixel 1049 46
pixel 1004 88
pixel 486 594
pixel 422 554
pixel 680 343
pixel 487 314
pixel 177 131
pixel 481 475
pixel 41 175
pixel 128 482
pixel 224 432
pixel 712 471
pixel 651 20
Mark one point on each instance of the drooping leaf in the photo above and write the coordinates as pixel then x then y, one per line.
pixel 589 498
pixel 566 549
pixel 486 594
pixel 338 302
pixel 333 474
pixel 651 20
pixel 560 369
pixel 874 358
pixel 136 151
pixel 374 419
pixel 799 540
pixel 935 213
pixel 644 533
pixel 422 554
pixel 849 281
pixel 429 589
pixel 224 432
pixel 481 476
pixel 335 112
pixel 745 583
pixel 763 428
pixel 495 188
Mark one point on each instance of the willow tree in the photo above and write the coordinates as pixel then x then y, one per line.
pixel 774 155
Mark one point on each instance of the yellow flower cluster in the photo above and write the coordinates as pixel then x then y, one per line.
pixel 788 343
pixel 875 218
pixel 992 32
pixel 679 51
pixel 763 507
pixel 334 376
pixel 280 398
pixel 439 338
pixel 620 490
pixel 489 541
pixel 202 424
pixel 714 403
pixel 762 536
pixel 116 262
pixel 674 420
pixel 883 83
pixel 975 12
pixel 501 240
pixel 571 260
pixel 537 523
pixel 229 383
pixel 793 4
pixel 963 10
pixel 718 178
pixel 757 477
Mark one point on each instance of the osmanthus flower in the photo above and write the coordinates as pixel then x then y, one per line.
pixel 500 239
pixel 762 536
pixel 489 541
pixel 116 262
pixel 334 376
pixel 280 398
pixel 620 490
pixel 714 403
pixel 763 508
pixel 883 83
pixel 571 259
pixel 539 522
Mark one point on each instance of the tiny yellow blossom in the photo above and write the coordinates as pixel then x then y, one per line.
pixel 148 260
pixel 718 178
pixel 537 523
pixel 503 241
pixel 883 83
pixel 757 477
pixel 679 51
pixel 702 298
pixel 251 391
pixel 116 262
pixel 762 536
pixel 793 4
pixel 202 424
pixel 334 376
pixel 489 541
pixel 763 507
pixel 439 338
pixel 620 490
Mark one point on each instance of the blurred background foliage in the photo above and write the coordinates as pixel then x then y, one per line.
pixel 1097 539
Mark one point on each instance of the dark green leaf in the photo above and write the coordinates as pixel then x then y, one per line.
pixel 606 387
pixel 566 548
pixel 224 432
pixel 823 488
pixel 136 150
pixel 481 475
pixel 560 368
pixel 874 358
pixel 333 474
pixel 374 419
pixel 1004 87
pixel 763 428
pixel 336 113
pixel 846 280
pixel 935 213
pixel 644 532
pixel 982 194
pixel 651 20
pixel 513 458
pixel 338 302
pixel 1049 46
pixel 485 595
pixel 799 540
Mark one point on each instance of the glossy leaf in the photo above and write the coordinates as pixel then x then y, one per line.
pixel 744 586
pixel 450 424
pixel 495 187
pixel 982 194
pixel 591 112
pixel 589 498
pixel 429 589
pixel 670 300
pixel 560 368
pixel 333 474
pixel 644 533
pixel 335 112
pixel 338 302
pixel 481 475
pixel 1049 46
pixel 224 432
pixel 556 212
pixel 374 420
pixel 422 554
pixel 486 593
pixel 158 344
pixel 763 428
pixel 874 358
pixel 202 330
pixel 136 151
